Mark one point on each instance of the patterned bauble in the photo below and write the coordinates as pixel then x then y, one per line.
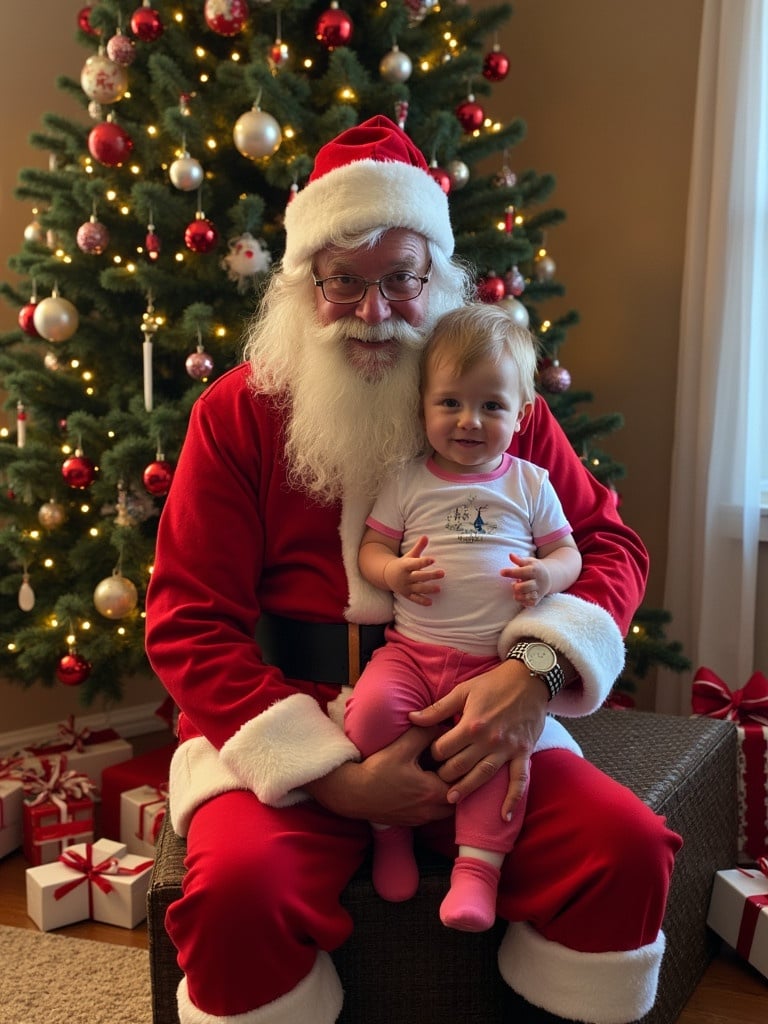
pixel 458 173
pixel 73 669
pixel 186 173
pixel 441 176
pixel 516 310
pixel 514 282
pixel 490 288
pixel 470 114
pixel 257 134
pixel 157 477
pixel 496 65
pixel 395 66
pixel 146 24
pixel 555 378
pixel 27 319
pixel 334 27
pixel 199 365
pixel 51 514
pixel 78 471
pixel 115 597
pixel 201 235
pixel 121 49
pixel 226 17
pixel 110 144
pixel 102 80
pixel 247 257
pixel 92 237
pixel 55 318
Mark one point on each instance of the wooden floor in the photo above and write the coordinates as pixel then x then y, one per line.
pixel 731 992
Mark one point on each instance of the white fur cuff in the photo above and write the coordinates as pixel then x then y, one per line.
pixel 586 634
pixel 603 988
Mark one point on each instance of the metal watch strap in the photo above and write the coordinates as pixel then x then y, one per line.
pixel 554 680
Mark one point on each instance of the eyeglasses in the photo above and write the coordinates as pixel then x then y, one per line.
pixel 346 289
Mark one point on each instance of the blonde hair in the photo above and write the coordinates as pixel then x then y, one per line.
pixel 465 336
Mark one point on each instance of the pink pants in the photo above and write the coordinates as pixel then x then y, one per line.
pixel 404 676
pixel 590 870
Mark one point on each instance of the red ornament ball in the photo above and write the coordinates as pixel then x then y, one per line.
pixel 333 28
pixel 73 669
pixel 470 114
pixel 27 319
pixel 226 17
pixel 496 66
pixel 442 178
pixel 490 289
pixel 79 472
pixel 199 365
pixel 555 378
pixel 146 24
pixel 157 477
pixel 201 235
pixel 84 21
pixel 92 237
pixel 110 144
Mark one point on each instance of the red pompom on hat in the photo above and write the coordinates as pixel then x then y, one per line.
pixel 369 176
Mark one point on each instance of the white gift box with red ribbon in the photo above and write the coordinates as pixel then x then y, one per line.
pixel 748 709
pixel 98 880
pixel 87 751
pixel 11 800
pixel 738 912
pixel 142 810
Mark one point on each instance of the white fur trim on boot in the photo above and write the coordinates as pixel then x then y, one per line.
pixel 586 634
pixel 603 988
pixel 317 998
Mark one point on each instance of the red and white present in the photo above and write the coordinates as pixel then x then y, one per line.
pixel 142 811
pixel 99 881
pixel 748 709
pixel 57 809
pixel 149 769
pixel 11 799
pixel 738 912
pixel 88 751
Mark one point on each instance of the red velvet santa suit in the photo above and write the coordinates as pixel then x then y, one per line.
pixel 265 863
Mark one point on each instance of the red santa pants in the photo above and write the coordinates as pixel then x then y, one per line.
pixel 590 871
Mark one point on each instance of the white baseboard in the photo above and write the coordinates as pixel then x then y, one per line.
pixel 127 722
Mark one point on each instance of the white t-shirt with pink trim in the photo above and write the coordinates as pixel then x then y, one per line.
pixel 472 522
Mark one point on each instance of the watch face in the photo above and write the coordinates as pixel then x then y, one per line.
pixel 540 657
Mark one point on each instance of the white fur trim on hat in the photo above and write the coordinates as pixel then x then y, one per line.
pixel 586 634
pixel 362 195
pixel 603 988
pixel 318 998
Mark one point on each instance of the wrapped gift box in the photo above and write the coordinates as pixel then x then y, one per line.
pixel 150 769
pixel 50 827
pixel 11 826
pixel 141 814
pixel 738 912
pixel 98 881
pixel 86 751
pixel 748 709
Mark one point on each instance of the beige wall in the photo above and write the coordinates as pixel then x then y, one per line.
pixel 607 90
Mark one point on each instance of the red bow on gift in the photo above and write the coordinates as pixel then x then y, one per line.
pixel 74 737
pixel 711 697
pixel 93 873
pixel 48 781
pixel 10 768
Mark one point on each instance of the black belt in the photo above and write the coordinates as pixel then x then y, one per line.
pixel 322 652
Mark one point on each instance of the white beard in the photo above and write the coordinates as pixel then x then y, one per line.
pixel 352 422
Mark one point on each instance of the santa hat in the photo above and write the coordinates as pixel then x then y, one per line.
pixel 368 176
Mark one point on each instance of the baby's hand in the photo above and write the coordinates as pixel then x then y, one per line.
pixel 411 577
pixel 532 580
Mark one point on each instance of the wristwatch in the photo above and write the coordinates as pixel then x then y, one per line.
pixel 540 660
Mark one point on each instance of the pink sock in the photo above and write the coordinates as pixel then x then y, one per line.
pixel 470 904
pixel 395 874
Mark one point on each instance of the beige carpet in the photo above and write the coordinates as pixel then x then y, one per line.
pixel 52 979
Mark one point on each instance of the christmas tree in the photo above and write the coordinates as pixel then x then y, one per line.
pixel 152 234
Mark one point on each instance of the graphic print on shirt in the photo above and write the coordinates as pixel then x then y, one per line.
pixel 468 522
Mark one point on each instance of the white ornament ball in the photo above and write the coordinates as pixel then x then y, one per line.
pixel 186 173
pixel 395 66
pixel 56 319
pixel 33 232
pixel 517 311
pixel 458 172
pixel 115 597
pixel 103 80
pixel 257 134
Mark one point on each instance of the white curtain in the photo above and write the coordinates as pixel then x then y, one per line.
pixel 721 395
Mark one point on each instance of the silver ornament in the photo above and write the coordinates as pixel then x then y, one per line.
pixel 458 172
pixel 56 319
pixel 395 66
pixel 257 134
pixel 51 514
pixel 516 310
pixel 115 597
pixel 186 173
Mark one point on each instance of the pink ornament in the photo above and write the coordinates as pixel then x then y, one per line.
pixel 442 177
pixel 121 50
pixel 226 17
pixel 157 477
pixel 73 669
pixel 110 144
pixel 201 235
pixel 514 282
pixel 490 289
pixel 470 115
pixel 555 378
pixel 333 28
pixel 146 24
pixel 496 65
pixel 92 237
pixel 27 319
pixel 78 471
pixel 199 365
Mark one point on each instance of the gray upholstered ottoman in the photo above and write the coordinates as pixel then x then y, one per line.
pixel 401 965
